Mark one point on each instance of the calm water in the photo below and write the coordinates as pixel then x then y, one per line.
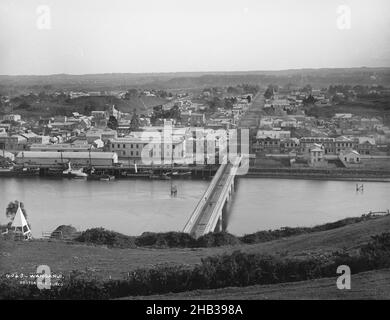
pixel 135 206
pixel 127 206
pixel 261 204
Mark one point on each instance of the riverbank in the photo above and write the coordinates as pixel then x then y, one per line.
pixel 299 262
pixel 320 174
pixel 115 263
pixel 335 174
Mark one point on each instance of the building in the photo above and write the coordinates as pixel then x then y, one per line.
pixel 149 148
pixel 350 158
pixel 104 134
pixel 63 147
pixel 49 159
pixel 343 143
pixel 12 117
pixel 269 141
pixel 13 143
pixel 193 119
pixel 37 139
pixel 206 146
pixel 280 106
pixel 317 158
pixel 275 134
pixel 365 145
pixel 370 124
pixel 290 145
pixel 5 126
pixel 99 118
pixel 33 138
pixel 326 142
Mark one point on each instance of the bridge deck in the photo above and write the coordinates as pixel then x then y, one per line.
pixel 206 213
pixel 211 202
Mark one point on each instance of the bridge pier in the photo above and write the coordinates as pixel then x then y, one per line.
pixel 218 227
pixel 230 191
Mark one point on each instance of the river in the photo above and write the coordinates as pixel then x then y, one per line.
pixel 127 206
pixel 262 204
pixel 134 206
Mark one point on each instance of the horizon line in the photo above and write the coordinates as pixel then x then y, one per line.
pixel 183 72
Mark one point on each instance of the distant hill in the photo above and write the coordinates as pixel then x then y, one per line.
pixel 124 81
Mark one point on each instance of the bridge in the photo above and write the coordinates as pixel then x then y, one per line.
pixel 207 216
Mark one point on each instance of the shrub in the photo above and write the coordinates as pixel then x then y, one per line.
pixel 172 239
pixel 167 239
pixel 217 239
pixel 269 235
pixel 64 231
pixel 377 252
pixel 235 269
pixel 101 236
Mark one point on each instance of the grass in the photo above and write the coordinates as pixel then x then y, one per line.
pixel 105 262
pixel 365 285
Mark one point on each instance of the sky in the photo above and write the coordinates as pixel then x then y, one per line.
pixel 110 36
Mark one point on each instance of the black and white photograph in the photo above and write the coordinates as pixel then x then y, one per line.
pixel 190 156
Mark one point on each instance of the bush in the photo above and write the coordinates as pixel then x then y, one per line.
pixel 217 239
pixel 377 252
pixel 167 239
pixel 235 269
pixel 172 239
pixel 269 235
pixel 101 236
pixel 64 231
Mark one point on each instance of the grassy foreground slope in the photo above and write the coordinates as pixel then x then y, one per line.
pixel 16 257
pixel 365 285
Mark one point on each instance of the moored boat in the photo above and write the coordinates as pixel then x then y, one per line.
pixel 74 173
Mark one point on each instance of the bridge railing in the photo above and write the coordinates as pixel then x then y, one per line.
pixel 199 207
pixel 214 216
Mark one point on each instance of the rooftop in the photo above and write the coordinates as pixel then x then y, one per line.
pixel 59 155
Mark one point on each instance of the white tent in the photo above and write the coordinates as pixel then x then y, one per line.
pixel 20 225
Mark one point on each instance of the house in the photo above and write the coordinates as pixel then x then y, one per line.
pixel 5 126
pixel 103 134
pixel 37 139
pixel 193 119
pixel 317 158
pixel 99 118
pixel 365 145
pixel 290 145
pixel 326 142
pixel 13 143
pixel 275 134
pixel 269 141
pixel 12 117
pixel 343 143
pixel 350 157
